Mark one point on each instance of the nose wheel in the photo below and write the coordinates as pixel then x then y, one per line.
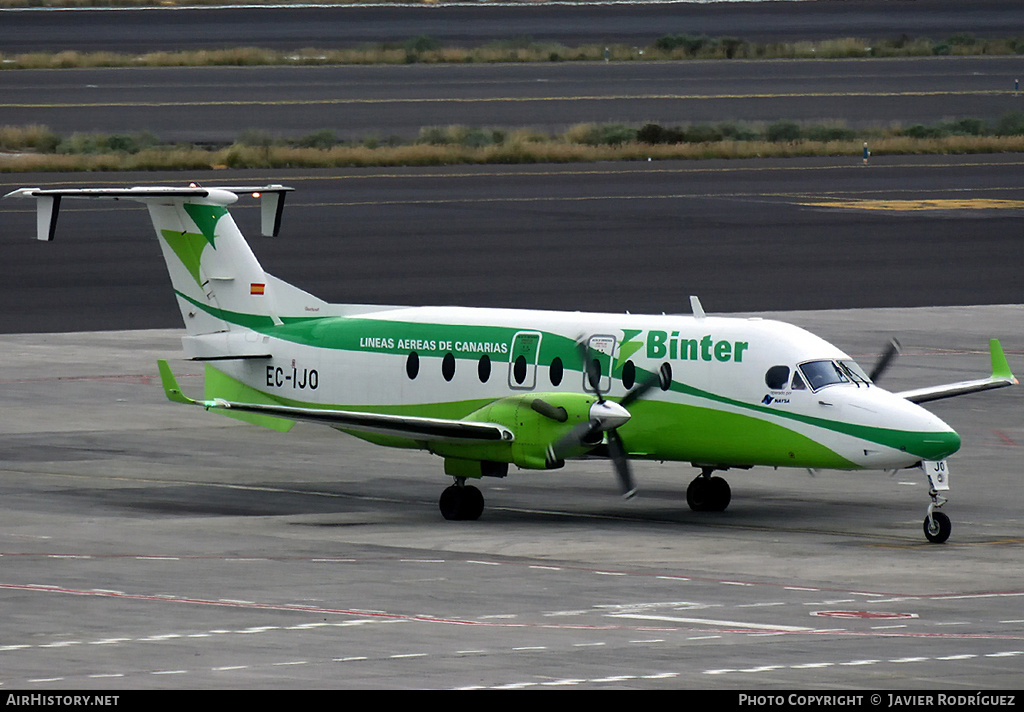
pixel 937 526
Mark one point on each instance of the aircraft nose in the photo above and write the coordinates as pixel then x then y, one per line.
pixel 939 446
pixel 934 440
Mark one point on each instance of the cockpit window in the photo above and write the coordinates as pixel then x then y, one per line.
pixel 798 383
pixel 855 372
pixel 777 377
pixel 823 373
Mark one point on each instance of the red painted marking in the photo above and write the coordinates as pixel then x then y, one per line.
pixel 1005 438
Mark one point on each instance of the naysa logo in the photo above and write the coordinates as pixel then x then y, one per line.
pixel 769 399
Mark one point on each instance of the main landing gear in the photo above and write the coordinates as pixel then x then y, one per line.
pixel 707 493
pixel 461 501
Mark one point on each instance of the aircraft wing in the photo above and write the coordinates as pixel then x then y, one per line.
pixel 1000 378
pixel 412 427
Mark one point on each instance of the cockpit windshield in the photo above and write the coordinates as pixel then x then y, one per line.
pixel 827 373
pixel 855 372
pixel 819 374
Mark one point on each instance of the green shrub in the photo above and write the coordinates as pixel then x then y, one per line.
pixel 738 132
pixel 702 133
pixel 963 39
pixel 922 131
pixel 783 131
pixel 615 134
pixel 690 43
pixel 967 127
pixel 650 133
pixel 1010 124
pixel 433 136
pixel 825 133
pixel 423 43
pixel 323 139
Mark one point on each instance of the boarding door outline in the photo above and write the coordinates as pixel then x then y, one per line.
pixel 600 347
pixel 522 360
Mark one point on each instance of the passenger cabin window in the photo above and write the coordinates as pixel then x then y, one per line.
pixel 412 365
pixel 448 366
pixel 823 373
pixel 519 369
pixel 777 377
pixel 556 371
pixel 483 368
pixel 628 375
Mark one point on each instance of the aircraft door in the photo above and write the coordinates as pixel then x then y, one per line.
pixel 522 361
pixel 602 350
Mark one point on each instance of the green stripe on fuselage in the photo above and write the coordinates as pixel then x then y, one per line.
pixel 368 335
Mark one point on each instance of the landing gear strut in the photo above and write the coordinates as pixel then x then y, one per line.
pixel 461 501
pixel 707 493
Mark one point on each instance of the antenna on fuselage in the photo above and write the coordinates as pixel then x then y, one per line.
pixel 696 308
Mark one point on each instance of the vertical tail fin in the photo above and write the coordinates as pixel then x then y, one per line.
pixel 219 283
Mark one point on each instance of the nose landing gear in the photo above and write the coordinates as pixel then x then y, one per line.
pixel 937 526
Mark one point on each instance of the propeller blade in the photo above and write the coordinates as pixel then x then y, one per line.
pixel 575 438
pixel 884 360
pixel 591 367
pixel 640 390
pixel 617 453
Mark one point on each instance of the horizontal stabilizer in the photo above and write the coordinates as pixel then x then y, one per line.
pixel 226 346
pixel 48 201
pixel 1000 378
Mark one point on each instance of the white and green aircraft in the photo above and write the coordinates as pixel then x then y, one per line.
pixel 488 388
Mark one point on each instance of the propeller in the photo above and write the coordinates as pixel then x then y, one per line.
pixel 605 417
pixel 885 359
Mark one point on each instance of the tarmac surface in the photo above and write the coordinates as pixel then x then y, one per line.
pixel 349 25
pixel 796 234
pixel 218 105
pixel 148 545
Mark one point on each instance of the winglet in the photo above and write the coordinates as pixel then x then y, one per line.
pixel 170 383
pixel 1000 378
pixel 1000 366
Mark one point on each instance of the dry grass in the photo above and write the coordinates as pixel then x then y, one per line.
pixel 523 148
pixel 427 50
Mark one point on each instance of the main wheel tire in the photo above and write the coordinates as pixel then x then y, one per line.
pixel 698 494
pixel 461 503
pixel 720 494
pixel 472 503
pixel 451 503
pixel 937 528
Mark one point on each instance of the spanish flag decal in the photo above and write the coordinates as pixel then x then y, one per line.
pixel 257 288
